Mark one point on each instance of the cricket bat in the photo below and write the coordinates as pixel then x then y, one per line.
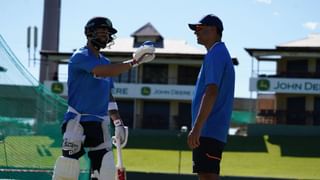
pixel 120 169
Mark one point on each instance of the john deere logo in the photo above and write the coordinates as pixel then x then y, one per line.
pixel 263 84
pixel 57 88
pixel 145 91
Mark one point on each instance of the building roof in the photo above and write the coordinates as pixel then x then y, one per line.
pixel 308 47
pixel 313 40
pixel 169 47
pixel 146 30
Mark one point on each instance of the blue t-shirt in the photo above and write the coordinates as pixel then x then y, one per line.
pixel 217 69
pixel 87 94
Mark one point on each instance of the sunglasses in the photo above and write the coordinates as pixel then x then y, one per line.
pixel 200 27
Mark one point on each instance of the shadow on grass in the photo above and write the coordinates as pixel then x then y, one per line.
pixel 43 150
pixel 173 140
pixel 157 139
pixel 53 131
pixel 299 146
pixel 246 144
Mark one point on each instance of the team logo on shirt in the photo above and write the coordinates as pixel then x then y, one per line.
pixel 101 78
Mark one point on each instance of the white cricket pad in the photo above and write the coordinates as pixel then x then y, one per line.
pixel 108 169
pixel 73 137
pixel 66 169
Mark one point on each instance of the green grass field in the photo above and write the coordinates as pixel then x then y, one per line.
pixel 282 157
pixel 273 162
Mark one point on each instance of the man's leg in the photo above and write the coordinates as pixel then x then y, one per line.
pixel 206 158
pixel 98 141
pixel 102 165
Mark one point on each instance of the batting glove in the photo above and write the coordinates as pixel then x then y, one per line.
pixel 145 53
pixel 121 132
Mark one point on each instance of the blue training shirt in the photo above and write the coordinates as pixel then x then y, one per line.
pixel 217 69
pixel 87 94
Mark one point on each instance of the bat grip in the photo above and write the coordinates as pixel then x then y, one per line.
pixel 119 153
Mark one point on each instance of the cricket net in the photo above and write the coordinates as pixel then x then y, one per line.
pixel 30 117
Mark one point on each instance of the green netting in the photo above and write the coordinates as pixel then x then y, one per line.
pixel 23 97
pixel 30 117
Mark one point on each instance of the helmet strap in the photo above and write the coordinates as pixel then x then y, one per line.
pixel 97 43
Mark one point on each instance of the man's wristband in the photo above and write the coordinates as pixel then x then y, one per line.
pixel 112 106
pixel 117 122
pixel 132 62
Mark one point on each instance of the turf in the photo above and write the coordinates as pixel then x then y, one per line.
pixel 304 164
pixel 289 157
pixel 32 152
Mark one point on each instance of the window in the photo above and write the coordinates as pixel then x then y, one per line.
pixel 126 112
pixel 188 75
pixel 296 113
pixel 184 117
pixel 156 115
pixel 127 77
pixel 316 111
pixel 157 41
pixel 155 74
pixel 318 69
pixel 297 68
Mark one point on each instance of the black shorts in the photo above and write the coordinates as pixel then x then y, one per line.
pixel 207 157
pixel 94 136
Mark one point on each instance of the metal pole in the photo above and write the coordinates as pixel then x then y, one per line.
pixel 50 38
pixel 4 147
pixel 183 130
pixel 179 166
pixel 5 152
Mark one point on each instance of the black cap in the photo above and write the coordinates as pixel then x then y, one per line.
pixel 208 20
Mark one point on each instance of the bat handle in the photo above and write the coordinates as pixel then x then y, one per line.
pixel 119 153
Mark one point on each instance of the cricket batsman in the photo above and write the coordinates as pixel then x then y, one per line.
pixel 85 127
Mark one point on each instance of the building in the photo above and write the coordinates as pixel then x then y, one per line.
pixel 155 95
pixel 291 93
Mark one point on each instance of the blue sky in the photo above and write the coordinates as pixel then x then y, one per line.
pixel 247 23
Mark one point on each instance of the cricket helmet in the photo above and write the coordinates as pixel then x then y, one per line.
pixel 99 22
